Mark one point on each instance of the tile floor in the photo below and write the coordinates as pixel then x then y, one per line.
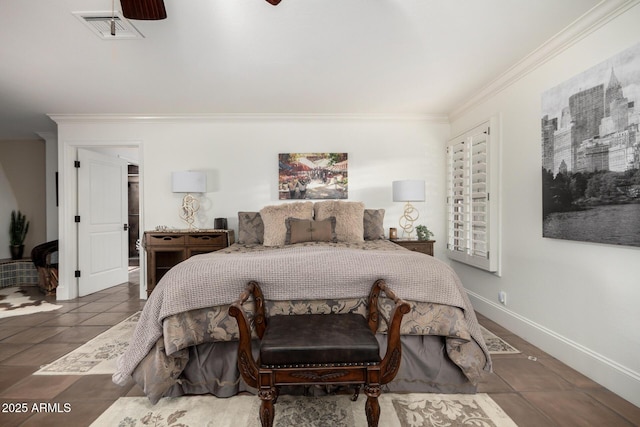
pixel 533 388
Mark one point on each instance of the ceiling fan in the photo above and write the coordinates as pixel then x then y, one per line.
pixel 152 9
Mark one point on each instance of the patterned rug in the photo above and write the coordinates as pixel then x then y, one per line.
pixel 97 356
pixel 396 410
pixel 17 302
pixel 495 344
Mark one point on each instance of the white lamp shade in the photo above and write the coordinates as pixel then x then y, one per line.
pixel 189 182
pixel 410 190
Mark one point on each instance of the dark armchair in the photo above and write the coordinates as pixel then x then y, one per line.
pixel 41 256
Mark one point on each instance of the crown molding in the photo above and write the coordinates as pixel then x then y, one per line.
pixel 590 21
pixel 178 118
pixel 47 135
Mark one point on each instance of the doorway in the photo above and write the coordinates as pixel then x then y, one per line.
pixel 70 234
pixel 133 190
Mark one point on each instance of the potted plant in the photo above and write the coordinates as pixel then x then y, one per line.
pixel 423 232
pixel 17 233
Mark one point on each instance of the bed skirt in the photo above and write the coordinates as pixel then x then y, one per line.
pixel 425 368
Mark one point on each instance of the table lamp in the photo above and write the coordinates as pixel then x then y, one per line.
pixel 189 182
pixel 408 191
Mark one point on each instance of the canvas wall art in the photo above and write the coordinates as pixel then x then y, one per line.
pixel 590 154
pixel 313 176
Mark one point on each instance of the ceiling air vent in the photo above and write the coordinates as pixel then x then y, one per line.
pixel 100 24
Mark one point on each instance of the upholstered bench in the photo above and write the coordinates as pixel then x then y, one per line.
pixel 318 349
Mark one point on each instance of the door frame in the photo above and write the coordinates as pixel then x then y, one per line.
pixel 68 205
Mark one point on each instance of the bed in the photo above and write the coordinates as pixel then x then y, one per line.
pixel 308 258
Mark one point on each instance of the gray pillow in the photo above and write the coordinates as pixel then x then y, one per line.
pixel 250 228
pixel 373 224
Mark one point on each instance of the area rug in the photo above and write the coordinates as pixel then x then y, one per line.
pixel 97 356
pixel 17 302
pixel 495 344
pixel 396 410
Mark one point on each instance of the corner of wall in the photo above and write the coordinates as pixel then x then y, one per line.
pixel 8 203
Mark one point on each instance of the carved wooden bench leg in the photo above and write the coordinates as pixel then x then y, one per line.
pixel 267 414
pixel 372 407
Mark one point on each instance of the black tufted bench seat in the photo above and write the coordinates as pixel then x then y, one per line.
pixel 318 339
pixel 318 349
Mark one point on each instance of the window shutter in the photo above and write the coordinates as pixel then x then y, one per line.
pixel 458 214
pixel 479 195
pixel 472 235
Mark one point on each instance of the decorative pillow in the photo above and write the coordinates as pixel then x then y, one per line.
pixel 274 216
pixel 306 230
pixel 250 228
pixel 349 218
pixel 373 224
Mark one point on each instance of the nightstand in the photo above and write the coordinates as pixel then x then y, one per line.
pixel 168 248
pixel 422 246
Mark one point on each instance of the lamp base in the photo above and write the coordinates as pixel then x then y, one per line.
pixel 190 205
pixel 407 219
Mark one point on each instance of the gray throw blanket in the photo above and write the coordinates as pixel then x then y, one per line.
pixel 296 272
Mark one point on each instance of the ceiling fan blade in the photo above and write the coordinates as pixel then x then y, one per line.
pixel 150 10
pixel 274 2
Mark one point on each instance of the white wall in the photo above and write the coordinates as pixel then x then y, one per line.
pixel 578 301
pixel 241 156
pixel 23 164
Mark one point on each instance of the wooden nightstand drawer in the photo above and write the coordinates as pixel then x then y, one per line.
pixel 164 239
pixel 213 239
pixel 414 247
pixel 422 246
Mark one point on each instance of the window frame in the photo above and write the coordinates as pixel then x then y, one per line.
pixel 473 197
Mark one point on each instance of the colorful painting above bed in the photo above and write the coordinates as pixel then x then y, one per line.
pixel 591 154
pixel 312 176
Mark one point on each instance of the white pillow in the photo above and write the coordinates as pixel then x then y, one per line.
pixel 274 216
pixel 349 218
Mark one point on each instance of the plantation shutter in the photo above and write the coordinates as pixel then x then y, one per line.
pixel 472 234
pixel 457 201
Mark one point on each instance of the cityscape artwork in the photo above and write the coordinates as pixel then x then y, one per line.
pixel 590 154
pixel 313 176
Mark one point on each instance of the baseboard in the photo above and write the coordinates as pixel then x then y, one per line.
pixel 610 374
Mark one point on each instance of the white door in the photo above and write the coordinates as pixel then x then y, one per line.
pixel 102 230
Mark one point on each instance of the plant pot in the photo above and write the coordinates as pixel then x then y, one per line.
pixel 16 251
